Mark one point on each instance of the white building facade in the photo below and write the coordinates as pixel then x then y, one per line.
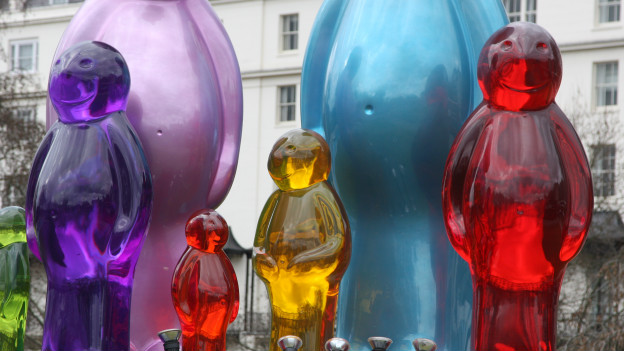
pixel 270 36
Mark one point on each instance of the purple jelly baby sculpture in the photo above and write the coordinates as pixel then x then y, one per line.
pixel 185 104
pixel 89 202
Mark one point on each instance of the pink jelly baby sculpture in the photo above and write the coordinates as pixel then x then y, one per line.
pixel 204 288
pixel 186 105
pixel 517 192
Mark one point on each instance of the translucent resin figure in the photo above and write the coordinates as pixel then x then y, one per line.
pixel 517 192
pixel 14 278
pixel 89 200
pixel 204 288
pixel 185 104
pixel 388 84
pixel 303 242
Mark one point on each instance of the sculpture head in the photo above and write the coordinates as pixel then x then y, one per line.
pixel 207 231
pixel 299 159
pixel 520 68
pixel 12 226
pixel 89 81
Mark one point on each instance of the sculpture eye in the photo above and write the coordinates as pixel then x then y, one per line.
pixel 507 45
pixel 86 63
pixel 542 47
pixel 291 149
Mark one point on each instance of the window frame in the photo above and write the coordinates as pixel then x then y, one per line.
pixel 288 105
pixel 604 177
pixel 602 4
pixel 287 34
pixel 522 11
pixel 26 114
pixel 600 88
pixel 15 58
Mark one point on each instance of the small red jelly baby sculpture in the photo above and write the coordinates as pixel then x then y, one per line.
pixel 517 192
pixel 204 288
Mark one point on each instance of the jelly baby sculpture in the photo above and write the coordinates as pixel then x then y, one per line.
pixel 185 104
pixel 517 192
pixel 388 84
pixel 303 242
pixel 204 288
pixel 14 278
pixel 89 199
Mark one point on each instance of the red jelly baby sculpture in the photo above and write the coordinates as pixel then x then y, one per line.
pixel 204 288
pixel 517 192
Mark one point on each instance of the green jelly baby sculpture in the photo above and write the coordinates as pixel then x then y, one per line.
pixel 14 278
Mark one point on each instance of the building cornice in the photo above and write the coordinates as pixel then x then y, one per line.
pixel 592 45
pixel 37 21
pixel 271 73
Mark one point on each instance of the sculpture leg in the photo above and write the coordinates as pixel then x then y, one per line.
pixel 86 314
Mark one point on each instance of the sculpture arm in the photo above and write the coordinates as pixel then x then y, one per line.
pixel 185 300
pixel 135 191
pixel 262 256
pixel 40 157
pixel 329 219
pixel 236 295
pixel 320 46
pixel 455 179
pixel 581 191
pixel 226 70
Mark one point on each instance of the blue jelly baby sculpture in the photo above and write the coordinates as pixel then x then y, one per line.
pixel 388 84
pixel 14 278
pixel 89 202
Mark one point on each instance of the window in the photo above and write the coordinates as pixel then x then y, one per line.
pixel 603 169
pixel 606 84
pixel 287 103
pixel 608 11
pixel 24 55
pixel 531 11
pixel 290 32
pixel 521 10
pixel 25 114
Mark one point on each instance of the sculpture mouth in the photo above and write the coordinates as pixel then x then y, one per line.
pixel 77 101
pixel 525 90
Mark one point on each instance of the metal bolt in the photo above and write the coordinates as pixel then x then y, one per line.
pixel 170 339
pixel 289 343
pixel 337 344
pixel 379 343
pixel 422 344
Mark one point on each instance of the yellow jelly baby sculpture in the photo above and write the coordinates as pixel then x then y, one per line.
pixel 303 241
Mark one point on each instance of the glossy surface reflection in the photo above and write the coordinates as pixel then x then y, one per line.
pixel 14 278
pixel 88 202
pixel 204 289
pixel 303 242
pixel 517 192
pixel 186 105
pixel 388 84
